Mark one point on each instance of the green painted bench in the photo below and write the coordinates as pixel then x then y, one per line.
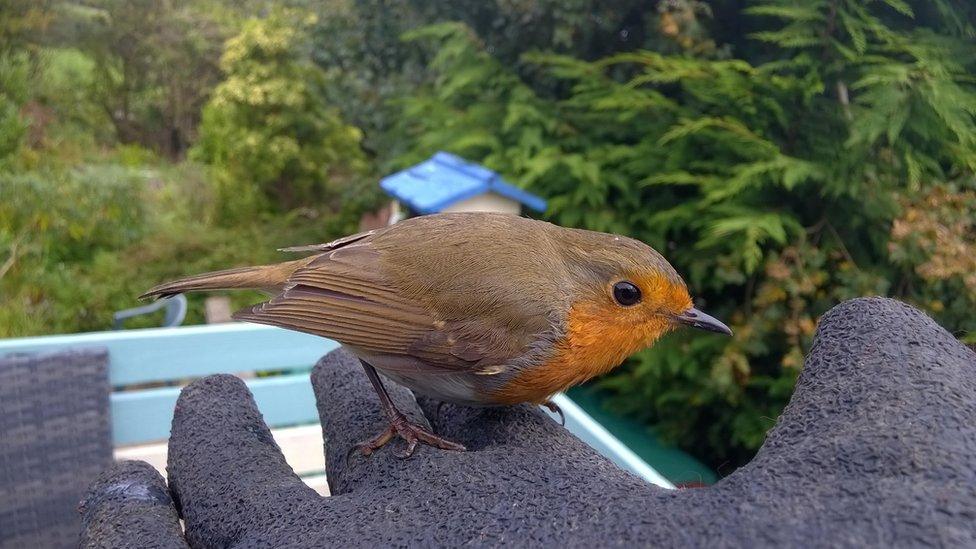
pixel 149 366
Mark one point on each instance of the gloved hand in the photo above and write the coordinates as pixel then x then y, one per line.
pixel 876 448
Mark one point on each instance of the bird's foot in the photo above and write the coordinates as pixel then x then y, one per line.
pixel 554 408
pixel 412 434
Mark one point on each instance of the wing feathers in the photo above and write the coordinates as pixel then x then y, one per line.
pixel 337 243
pixel 343 294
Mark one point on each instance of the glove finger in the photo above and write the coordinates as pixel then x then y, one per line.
pixel 500 440
pixel 350 412
pixel 226 472
pixel 128 505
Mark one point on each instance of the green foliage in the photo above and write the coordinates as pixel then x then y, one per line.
pixel 773 184
pixel 81 244
pixel 52 224
pixel 269 126
pixel 72 215
pixel 361 40
pixel 586 29
pixel 155 63
pixel 92 211
pixel 13 92
pixel 912 89
pixel 358 42
pixel 21 21
pixel 65 116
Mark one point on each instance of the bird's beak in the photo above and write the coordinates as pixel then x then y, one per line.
pixel 697 319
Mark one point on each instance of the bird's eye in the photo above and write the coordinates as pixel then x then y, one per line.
pixel 626 293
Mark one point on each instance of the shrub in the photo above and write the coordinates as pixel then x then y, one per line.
pixel 80 244
pixel 54 226
pixel 269 127
pixel 13 94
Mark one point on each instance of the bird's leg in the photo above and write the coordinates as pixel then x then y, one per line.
pixel 399 425
pixel 437 414
pixel 554 408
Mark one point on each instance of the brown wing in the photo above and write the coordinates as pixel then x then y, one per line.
pixel 344 295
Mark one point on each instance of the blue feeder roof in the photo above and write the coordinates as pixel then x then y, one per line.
pixel 444 179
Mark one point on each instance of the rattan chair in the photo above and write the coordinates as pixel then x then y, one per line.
pixel 54 438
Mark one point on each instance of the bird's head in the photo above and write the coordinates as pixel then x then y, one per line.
pixel 627 296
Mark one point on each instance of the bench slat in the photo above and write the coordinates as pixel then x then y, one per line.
pixel 319 483
pixel 163 354
pixel 144 416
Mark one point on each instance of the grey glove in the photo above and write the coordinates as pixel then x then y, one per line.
pixel 876 448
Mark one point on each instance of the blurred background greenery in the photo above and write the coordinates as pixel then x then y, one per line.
pixel 784 154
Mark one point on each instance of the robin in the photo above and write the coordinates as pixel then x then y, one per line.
pixel 472 308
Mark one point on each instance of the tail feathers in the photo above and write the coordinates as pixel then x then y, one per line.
pixel 269 278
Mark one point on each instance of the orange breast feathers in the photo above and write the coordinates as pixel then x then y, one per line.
pixel 600 334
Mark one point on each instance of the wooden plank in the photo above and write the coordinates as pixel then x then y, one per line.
pixel 154 454
pixel 301 446
pixel 163 354
pixel 144 416
pixel 319 483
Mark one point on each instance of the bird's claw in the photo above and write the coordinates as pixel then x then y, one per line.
pixel 412 434
pixel 554 408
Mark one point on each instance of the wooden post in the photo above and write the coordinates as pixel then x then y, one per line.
pixel 217 309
